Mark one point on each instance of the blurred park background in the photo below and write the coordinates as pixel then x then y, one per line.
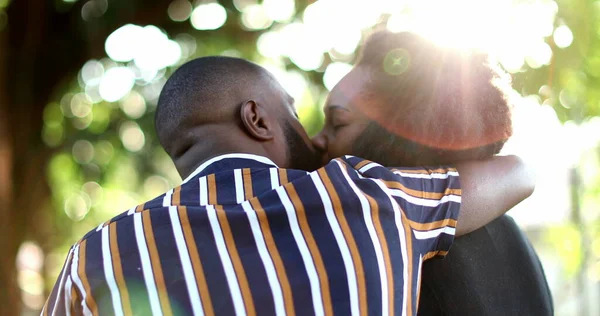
pixel 79 81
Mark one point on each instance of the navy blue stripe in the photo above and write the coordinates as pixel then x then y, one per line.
pixel 325 240
pixel 355 218
pixel 131 264
pixel 94 270
pixel 391 233
pixel 225 187
pixel 294 175
pixel 190 193
pixel 427 214
pixel 170 261
pixel 253 266
pixel 211 264
pixel 289 252
pixel 155 203
pixel 261 181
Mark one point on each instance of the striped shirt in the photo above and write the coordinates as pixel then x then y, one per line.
pixel 241 236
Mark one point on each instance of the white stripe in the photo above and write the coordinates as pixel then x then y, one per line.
pixel 78 283
pixel 203 191
pixel 266 259
pixel 62 282
pixel 425 202
pixel 234 287
pixel 146 264
pixel 368 167
pixel 186 262
pixel 427 175
pixel 419 277
pixel 131 210
pixel 274 178
pixel 109 273
pixel 366 210
pixel 341 242
pixel 307 258
pixel 203 166
pixel 100 227
pixel 68 287
pixel 403 244
pixel 239 186
pixel 434 233
pixel 167 198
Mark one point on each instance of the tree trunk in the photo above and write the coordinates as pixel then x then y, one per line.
pixel 9 294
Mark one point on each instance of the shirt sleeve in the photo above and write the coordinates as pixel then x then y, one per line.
pixel 428 199
pixel 64 298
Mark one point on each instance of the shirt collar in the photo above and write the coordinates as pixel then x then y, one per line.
pixel 219 158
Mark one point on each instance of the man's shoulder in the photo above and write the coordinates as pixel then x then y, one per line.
pixel 156 203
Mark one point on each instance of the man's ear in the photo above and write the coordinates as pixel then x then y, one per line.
pixel 256 121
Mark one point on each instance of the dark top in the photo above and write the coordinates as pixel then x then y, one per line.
pixel 491 271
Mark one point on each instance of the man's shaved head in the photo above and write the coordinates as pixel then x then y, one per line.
pixel 194 96
pixel 216 105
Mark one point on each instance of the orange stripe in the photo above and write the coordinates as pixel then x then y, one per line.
pixel 386 252
pixel 89 300
pixel 433 225
pixel 283 178
pixel 339 211
pixel 74 299
pixel 118 270
pixel 432 254
pixel 212 189
pixel 156 266
pixel 196 262
pixel 235 259
pixel 312 245
pixel 422 194
pixel 279 267
pixel 176 198
pixel 425 171
pixel 247 183
pixel 45 308
pixel 139 208
pixel 362 164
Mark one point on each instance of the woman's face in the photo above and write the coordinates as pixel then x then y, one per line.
pixel 344 122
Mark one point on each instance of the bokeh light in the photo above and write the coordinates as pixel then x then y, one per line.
pixel 255 17
pixel 280 10
pixel 133 105
pixel 148 47
pixel 180 10
pixel 563 37
pixel 30 261
pixel 116 83
pixel 132 136
pixel 209 16
pixel 334 73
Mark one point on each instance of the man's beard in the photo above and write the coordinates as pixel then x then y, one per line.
pixel 299 154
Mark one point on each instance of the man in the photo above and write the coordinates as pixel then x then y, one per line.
pixel 409 102
pixel 246 234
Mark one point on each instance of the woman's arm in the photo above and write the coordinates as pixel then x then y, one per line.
pixel 490 188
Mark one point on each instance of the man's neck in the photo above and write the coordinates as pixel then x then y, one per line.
pixel 202 152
